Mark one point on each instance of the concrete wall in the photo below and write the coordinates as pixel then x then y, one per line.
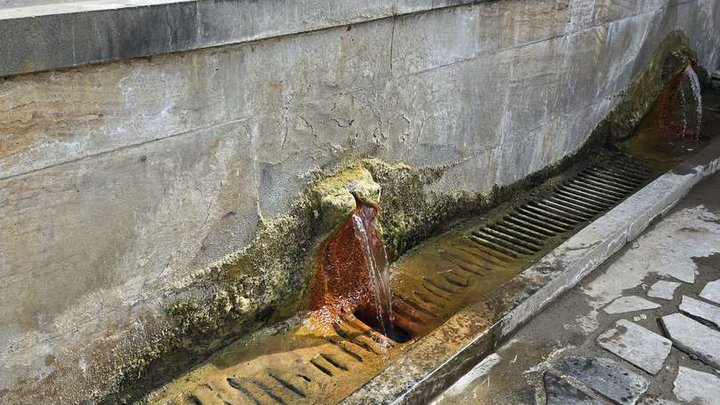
pixel 119 181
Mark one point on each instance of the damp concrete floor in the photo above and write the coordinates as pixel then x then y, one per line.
pixel 644 328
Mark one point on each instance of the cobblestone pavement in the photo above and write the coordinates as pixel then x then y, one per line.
pixel 644 328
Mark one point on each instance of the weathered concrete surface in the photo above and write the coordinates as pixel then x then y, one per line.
pixel 80 32
pixel 119 182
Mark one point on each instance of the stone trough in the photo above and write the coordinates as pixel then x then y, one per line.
pixel 454 297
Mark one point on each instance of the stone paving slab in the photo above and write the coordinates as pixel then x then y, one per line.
pixel 606 377
pixel 560 392
pixel 711 292
pixel 664 290
pixel 682 273
pixel 700 309
pixel 693 338
pixel 637 345
pixel 697 387
pixel 631 303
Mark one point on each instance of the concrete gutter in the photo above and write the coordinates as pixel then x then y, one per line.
pixel 442 357
pixel 56 35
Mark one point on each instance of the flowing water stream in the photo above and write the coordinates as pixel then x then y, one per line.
pixel 692 77
pixel 353 277
pixel 368 237
pixel 674 127
pixel 674 115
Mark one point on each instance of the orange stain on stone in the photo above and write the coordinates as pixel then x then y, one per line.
pixel 342 282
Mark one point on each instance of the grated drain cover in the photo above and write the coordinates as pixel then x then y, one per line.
pixel 293 363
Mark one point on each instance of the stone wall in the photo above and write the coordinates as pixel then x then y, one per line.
pixel 121 182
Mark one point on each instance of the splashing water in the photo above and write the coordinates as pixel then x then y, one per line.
pixel 376 259
pixel 352 277
pixel 676 92
pixel 695 86
pixel 683 107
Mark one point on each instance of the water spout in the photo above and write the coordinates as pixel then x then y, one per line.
pixel 674 105
pixel 697 96
pixel 352 276
pixel 376 258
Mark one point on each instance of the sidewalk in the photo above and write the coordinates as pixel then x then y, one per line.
pixel 644 328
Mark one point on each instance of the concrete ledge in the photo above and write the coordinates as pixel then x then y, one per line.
pixel 67 34
pixel 474 332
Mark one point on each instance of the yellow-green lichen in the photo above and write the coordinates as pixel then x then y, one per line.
pixel 336 195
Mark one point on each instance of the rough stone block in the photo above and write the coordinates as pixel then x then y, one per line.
pixel 663 289
pixel 636 345
pixel 701 310
pixel 605 377
pixel 696 387
pixel 693 338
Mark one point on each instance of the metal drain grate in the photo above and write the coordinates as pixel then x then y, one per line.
pixel 300 378
pixel 429 286
pixel 525 233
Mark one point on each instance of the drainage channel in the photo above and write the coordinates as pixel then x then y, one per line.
pixel 296 363
pixel 435 281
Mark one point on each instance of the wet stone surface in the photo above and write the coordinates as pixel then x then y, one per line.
pixel 560 392
pixel 702 310
pixel 697 387
pixel 693 338
pixel 629 304
pixel 711 292
pixel 663 289
pixel 636 345
pixel 657 401
pixel 605 377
